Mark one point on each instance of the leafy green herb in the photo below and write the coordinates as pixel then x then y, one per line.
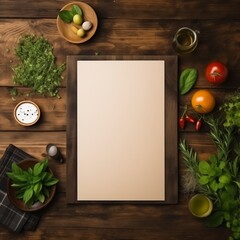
pixel 219 177
pixel 37 68
pixel 76 10
pixel 33 184
pixel 67 15
pixel 187 79
pixel 231 108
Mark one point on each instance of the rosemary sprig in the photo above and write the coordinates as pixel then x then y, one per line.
pixel 223 137
pixel 191 174
pixel 190 157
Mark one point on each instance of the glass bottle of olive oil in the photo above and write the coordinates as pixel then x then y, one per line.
pixel 185 40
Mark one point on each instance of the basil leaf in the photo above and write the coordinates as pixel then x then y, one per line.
pixel 16 169
pixel 51 182
pixel 76 10
pixel 66 16
pixel 38 168
pixel 27 195
pixel 41 197
pixel 187 79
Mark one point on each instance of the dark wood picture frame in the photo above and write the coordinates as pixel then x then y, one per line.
pixel 171 123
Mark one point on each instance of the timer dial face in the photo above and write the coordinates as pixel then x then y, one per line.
pixel 27 113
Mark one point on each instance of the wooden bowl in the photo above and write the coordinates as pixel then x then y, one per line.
pixel 65 28
pixel 11 191
pixel 26 113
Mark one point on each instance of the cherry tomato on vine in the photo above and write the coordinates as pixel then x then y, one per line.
pixel 216 72
pixel 203 101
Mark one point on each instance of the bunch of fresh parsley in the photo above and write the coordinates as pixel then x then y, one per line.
pixel 37 68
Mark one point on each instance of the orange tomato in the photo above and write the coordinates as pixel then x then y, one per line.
pixel 203 101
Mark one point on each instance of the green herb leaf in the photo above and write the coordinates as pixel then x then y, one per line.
pixel 51 182
pixel 203 180
pixel 66 16
pixel 225 179
pixel 38 168
pixel 214 185
pixel 215 219
pixel 16 169
pixel 187 79
pixel 37 188
pixel 222 165
pixel 48 176
pixel 204 167
pixel 27 195
pixel 41 198
pixel 20 177
pixel 76 10
pixel 45 191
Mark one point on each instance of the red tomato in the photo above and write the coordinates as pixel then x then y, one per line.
pixel 216 72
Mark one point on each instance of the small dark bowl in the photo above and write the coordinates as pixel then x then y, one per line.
pixel 11 191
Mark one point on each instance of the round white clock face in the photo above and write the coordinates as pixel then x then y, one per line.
pixel 27 113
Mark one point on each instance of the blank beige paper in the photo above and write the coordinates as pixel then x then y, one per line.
pixel 120 130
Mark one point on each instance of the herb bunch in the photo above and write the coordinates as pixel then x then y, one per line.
pixel 219 177
pixel 37 68
pixel 33 184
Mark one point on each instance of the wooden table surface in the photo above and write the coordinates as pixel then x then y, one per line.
pixel 125 27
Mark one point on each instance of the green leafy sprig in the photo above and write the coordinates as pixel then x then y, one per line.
pixel 222 137
pixel 33 184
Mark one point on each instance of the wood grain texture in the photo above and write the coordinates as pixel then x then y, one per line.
pixel 133 37
pixel 132 27
pixel 138 9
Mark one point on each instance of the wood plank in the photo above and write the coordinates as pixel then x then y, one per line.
pixel 124 36
pixel 68 232
pixel 135 9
